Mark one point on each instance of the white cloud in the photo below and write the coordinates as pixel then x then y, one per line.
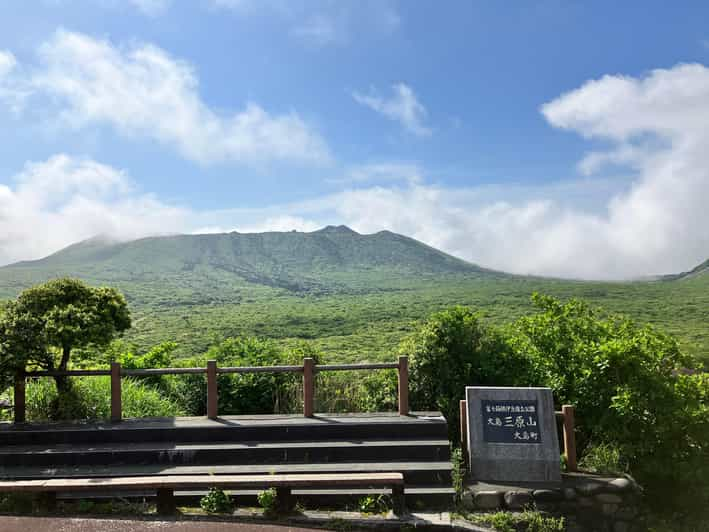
pixel 152 7
pixel 281 223
pixel 402 107
pixel 143 92
pixel 65 199
pixel 382 172
pixel 7 62
pixel 654 220
pixel 11 93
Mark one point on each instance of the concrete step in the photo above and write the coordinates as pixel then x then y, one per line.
pixel 429 473
pixel 210 453
pixel 267 428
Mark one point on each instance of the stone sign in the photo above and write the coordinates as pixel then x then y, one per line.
pixel 512 434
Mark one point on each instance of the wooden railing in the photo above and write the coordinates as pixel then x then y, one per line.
pixel 566 414
pixel 309 369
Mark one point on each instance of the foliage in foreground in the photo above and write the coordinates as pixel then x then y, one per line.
pixel 268 500
pixel 638 407
pixel 530 521
pixel 89 398
pixel 216 501
pixel 47 322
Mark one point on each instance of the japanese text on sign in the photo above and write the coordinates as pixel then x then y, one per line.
pixel 510 421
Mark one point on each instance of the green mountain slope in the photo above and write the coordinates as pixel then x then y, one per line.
pixel 354 296
pixel 333 259
pixel 700 270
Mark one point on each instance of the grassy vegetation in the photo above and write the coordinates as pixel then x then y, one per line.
pixel 353 296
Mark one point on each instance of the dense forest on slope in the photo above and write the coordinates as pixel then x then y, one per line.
pixel 354 296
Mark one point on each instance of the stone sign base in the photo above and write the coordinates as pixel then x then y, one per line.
pixel 589 502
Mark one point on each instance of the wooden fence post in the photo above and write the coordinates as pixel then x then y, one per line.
pixel 569 437
pixel 19 398
pixel 403 386
pixel 212 394
pixel 308 386
pixel 463 408
pixel 116 406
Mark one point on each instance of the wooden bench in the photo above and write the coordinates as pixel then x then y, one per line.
pixel 167 484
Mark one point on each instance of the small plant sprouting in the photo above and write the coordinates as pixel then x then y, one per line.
pixel 216 502
pixel 268 499
pixel 374 504
pixel 458 473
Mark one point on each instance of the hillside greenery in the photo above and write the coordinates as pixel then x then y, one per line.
pixel 353 297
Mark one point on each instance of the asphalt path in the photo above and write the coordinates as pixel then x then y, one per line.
pixel 81 524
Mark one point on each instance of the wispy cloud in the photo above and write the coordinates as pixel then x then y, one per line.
pixel 319 29
pixel 403 106
pixel 323 23
pixel 652 221
pixel 382 172
pixel 142 91
pixel 151 7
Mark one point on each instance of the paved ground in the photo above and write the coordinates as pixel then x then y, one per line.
pixel 78 524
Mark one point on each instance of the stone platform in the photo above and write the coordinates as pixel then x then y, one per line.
pixel 604 503
pixel 415 445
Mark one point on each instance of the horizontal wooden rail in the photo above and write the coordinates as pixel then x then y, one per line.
pixel 308 369
pixel 348 367
pixel 261 369
pixel 70 373
pixel 160 371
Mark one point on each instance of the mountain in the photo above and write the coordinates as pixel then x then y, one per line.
pixel 702 269
pixel 353 296
pixel 333 259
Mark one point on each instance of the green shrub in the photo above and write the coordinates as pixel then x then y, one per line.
pixel 216 501
pixel 90 398
pixel 536 522
pixel 375 504
pixel 631 392
pixel 458 472
pixel 268 500
pixel 16 503
pixel 604 459
pixel 260 393
pixel 530 520
pixel 500 521
pixel 356 391
pixel 452 350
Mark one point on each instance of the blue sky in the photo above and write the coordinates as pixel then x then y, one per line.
pixel 534 137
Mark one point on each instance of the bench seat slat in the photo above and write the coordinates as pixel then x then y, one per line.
pixel 204 481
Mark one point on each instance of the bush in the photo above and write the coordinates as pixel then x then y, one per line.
pixel 375 504
pixel 268 500
pixel 90 398
pixel 458 472
pixel 452 350
pixel 260 393
pixel 631 390
pixel 604 459
pixel 356 391
pixel 216 501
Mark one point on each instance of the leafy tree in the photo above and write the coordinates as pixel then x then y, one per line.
pixel 452 350
pixel 633 389
pixel 48 321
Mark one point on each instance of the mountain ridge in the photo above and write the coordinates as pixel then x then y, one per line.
pixel 333 258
